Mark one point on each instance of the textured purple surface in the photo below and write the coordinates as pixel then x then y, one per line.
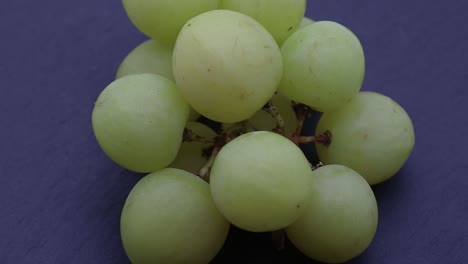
pixel 61 197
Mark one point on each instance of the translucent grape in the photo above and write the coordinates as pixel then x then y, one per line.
pixel 372 134
pixel 323 66
pixel 151 57
pixel 163 19
pixel 170 217
pixel 226 65
pixel 279 17
pixel 190 156
pixel 260 181
pixel 132 124
pixel 341 218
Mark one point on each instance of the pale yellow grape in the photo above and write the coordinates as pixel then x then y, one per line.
pixel 279 17
pixel 163 19
pixel 151 57
pixel 170 217
pixel 260 181
pixel 139 120
pixel 341 218
pixel 372 135
pixel 323 66
pixel 226 65
pixel 190 156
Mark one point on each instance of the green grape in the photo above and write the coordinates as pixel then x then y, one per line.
pixel 341 218
pixel 372 135
pixel 226 65
pixel 148 57
pixel 190 156
pixel 132 125
pixel 323 66
pixel 279 17
pixel 305 22
pixel 170 217
pixel 151 57
pixel 263 120
pixel 163 19
pixel 260 181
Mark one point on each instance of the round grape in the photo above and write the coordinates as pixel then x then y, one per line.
pixel 260 181
pixel 279 17
pixel 170 217
pixel 139 120
pixel 163 19
pixel 226 65
pixel 341 218
pixel 372 134
pixel 323 66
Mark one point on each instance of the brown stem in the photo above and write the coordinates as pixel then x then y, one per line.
pixel 205 170
pixel 324 138
pixel 190 136
pixel 320 164
pixel 219 141
pixel 234 131
pixel 273 110
pixel 306 140
pixel 302 112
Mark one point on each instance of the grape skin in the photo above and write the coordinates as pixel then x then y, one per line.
pixel 260 181
pixel 170 217
pixel 151 57
pixel 229 79
pixel 148 57
pixel 162 20
pixel 131 122
pixel 341 218
pixel 279 17
pixel 372 134
pixel 323 66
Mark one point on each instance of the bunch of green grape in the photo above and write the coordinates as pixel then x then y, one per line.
pixel 256 68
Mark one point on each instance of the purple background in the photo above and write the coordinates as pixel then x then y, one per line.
pixel 61 197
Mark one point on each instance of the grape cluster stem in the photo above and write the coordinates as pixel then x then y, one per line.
pixel 216 143
pixel 273 110
pixel 303 112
